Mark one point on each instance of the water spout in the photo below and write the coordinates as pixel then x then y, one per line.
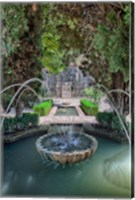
pixel 18 91
pixel 114 107
pixel 32 90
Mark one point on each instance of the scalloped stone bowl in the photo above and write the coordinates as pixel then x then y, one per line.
pixel 66 148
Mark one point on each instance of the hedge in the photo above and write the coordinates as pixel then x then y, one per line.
pixel 105 118
pixel 27 121
pixel 88 107
pixel 111 120
pixel 44 107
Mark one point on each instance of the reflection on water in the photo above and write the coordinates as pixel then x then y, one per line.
pixel 69 111
pixel 117 170
pixel 106 174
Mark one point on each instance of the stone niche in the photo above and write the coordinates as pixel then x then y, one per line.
pixel 68 83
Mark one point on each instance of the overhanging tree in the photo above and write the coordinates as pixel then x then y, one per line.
pixel 21 28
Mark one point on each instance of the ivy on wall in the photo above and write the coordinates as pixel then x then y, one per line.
pixel 14 24
pixel 112 42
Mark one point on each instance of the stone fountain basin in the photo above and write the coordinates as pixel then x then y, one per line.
pixel 64 157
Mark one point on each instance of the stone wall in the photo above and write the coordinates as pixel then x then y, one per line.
pixel 68 83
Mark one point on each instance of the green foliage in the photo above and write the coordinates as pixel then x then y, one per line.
pixel 88 107
pixel 14 25
pixel 105 118
pixel 66 34
pixel 52 55
pixel 94 94
pixel 20 48
pixel 116 125
pixel 112 42
pixel 43 108
pixel 6 98
pixel 111 120
pixel 59 37
pixel 27 121
pixel 127 14
pixel 72 23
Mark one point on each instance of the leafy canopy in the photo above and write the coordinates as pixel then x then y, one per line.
pixel 15 24
pixel 51 55
pixel 113 44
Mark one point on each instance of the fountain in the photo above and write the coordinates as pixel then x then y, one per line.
pixel 60 147
pixel 68 147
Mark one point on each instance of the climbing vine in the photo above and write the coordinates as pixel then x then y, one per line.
pixel 50 35
pixel 15 24
pixel 54 38
pixel 112 42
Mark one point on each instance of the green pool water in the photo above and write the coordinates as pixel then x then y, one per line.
pixel 105 174
pixel 66 111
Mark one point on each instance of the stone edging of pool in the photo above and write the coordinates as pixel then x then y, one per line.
pixel 13 137
pixel 88 129
pixel 99 130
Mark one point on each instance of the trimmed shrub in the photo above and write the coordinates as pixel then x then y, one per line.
pixel 88 107
pixel 117 125
pixel 93 93
pixel 44 107
pixel 105 118
pixel 21 123
pixel 111 120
